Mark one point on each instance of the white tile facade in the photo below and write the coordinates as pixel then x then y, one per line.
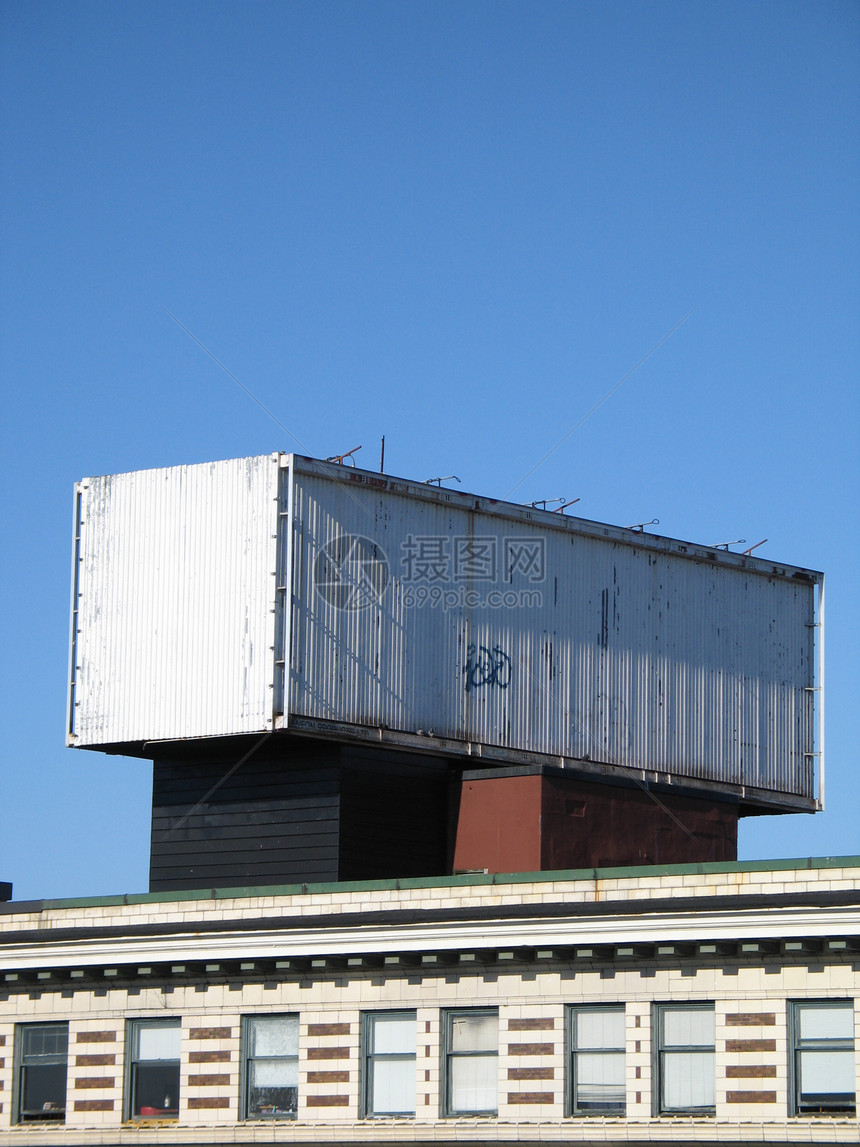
pixel 750 985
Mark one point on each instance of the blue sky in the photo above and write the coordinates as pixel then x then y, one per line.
pixel 454 224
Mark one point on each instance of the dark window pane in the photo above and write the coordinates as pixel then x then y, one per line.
pixel 42 1071
pixel 156 1089
pixel 43 1091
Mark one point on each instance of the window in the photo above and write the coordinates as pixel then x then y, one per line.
pixel 823 1065
pixel 271 1078
pixel 471 1062
pixel 153 1069
pixel 389 1063
pixel 685 1058
pixel 597 1080
pixel 42 1053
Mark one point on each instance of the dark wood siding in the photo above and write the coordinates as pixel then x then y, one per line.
pixel 271 822
pixel 298 811
pixel 394 815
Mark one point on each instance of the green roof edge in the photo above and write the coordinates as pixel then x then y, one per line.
pixel 463 880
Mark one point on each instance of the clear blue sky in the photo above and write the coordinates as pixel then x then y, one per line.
pixel 455 224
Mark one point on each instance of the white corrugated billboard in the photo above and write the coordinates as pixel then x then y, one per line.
pixel 173 583
pixel 281 592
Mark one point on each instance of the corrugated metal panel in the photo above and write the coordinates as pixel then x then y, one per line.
pixel 175 572
pixel 609 647
pixel 415 609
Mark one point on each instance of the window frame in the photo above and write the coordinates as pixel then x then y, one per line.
pixel 449 1056
pixel 369 1057
pixel 132 1062
pixel 248 1060
pixel 660 1050
pixel 797 1045
pixel 571 1105
pixel 22 1033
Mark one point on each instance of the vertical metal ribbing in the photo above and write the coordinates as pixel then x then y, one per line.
pixel 74 611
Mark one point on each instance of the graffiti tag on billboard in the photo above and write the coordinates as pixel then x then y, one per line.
pixel 487 667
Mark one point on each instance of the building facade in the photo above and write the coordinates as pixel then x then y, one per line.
pixel 685 1003
pixel 455 722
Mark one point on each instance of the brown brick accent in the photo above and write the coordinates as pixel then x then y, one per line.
pixel 209 1081
pixel 540 1025
pixel 209 1056
pixel 2 1041
pixel 327 1101
pixel 96 1037
pixel 2 1062
pixel 108 1059
pixel 328 1053
pixel 530 1097
pixel 208 1102
pixel 751 1071
pixel 530 1049
pixel 750 1097
pixel 328 1029
pixel 328 1077
pixel 93 1105
pixel 94 1082
pixel 531 1073
pixel 210 1033
pixel 750 1045
pixel 750 1019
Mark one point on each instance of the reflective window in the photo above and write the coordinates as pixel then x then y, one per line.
pixel 271 1048
pixel 42 1057
pixel 471 1062
pixel 685 1058
pixel 824 1079
pixel 597 1043
pixel 389 1063
pixel 153 1071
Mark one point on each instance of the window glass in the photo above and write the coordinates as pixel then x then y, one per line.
pixel 823 1072
pixel 824 1080
pixel 42 1068
pixel 471 1074
pixel 274 1035
pixel 685 1058
pixel 684 1027
pixel 394 1036
pixel 154 1068
pixel 474 1033
pixel 598 1082
pixel 688 1080
pixel 390 1063
pixel 473 1085
pixel 157 1041
pixel 271 1067
pixel 835 1021
pixel 600 1028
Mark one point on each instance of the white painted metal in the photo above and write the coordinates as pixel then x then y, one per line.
pixel 641 928
pixel 628 650
pixel 175 583
pixel 617 649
